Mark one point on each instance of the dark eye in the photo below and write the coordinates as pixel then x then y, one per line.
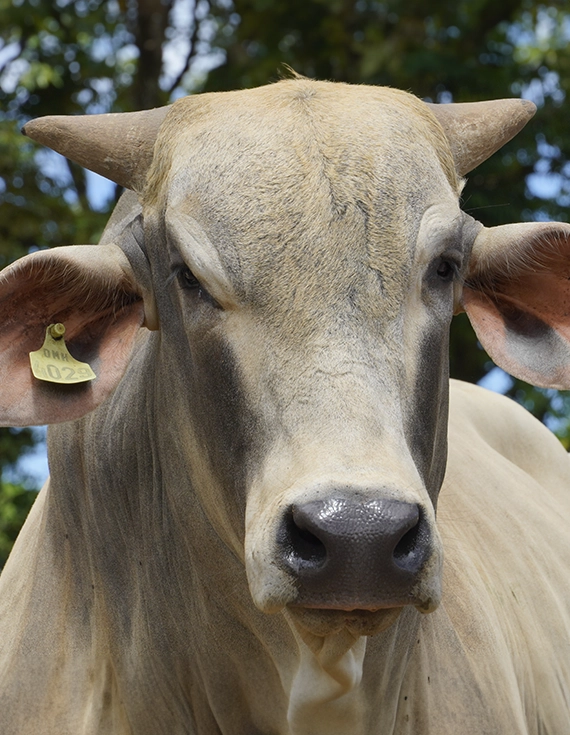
pixel 188 279
pixel 189 282
pixel 445 270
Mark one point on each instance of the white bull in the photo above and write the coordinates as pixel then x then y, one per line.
pixel 239 535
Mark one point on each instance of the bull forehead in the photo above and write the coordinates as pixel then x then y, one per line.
pixel 317 185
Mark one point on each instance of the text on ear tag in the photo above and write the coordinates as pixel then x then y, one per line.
pixel 54 363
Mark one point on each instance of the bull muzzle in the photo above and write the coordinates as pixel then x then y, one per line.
pixel 353 553
pixel 333 554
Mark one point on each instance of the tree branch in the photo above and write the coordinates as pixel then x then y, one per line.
pixel 189 56
pixel 149 37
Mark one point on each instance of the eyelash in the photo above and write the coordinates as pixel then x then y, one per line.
pixel 184 276
pixel 187 279
pixel 189 282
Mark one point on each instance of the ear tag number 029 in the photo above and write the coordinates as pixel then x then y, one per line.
pixel 53 362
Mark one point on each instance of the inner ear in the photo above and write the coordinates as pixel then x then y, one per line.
pixel 517 296
pixel 95 299
pixel 527 272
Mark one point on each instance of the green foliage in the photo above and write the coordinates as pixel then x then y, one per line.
pixel 15 499
pixel 13 442
pixel 15 503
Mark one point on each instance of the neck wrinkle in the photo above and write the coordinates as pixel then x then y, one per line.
pixel 325 696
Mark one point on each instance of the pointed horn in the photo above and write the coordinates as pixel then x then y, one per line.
pixel 118 146
pixel 476 130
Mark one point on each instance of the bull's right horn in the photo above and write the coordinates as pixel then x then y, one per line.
pixel 118 146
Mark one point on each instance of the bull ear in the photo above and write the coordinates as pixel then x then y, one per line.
pixel 517 296
pixel 91 290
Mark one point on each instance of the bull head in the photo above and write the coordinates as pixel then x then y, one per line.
pixel 308 312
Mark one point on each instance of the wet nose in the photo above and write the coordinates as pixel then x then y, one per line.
pixel 350 553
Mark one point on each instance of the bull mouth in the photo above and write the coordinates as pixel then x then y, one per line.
pixel 359 622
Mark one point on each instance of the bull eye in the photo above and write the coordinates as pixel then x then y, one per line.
pixel 189 282
pixel 188 279
pixel 445 270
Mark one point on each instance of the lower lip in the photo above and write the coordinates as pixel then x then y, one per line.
pixel 323 621
pixel 347 609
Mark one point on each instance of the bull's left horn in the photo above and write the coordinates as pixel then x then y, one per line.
pixel 476 130
pixel 118 146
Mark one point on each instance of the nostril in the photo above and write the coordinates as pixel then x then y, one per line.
pixel 410 550
pixel 406 544
pixel 302 548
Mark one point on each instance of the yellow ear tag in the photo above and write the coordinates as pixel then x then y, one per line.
pixel 54 363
